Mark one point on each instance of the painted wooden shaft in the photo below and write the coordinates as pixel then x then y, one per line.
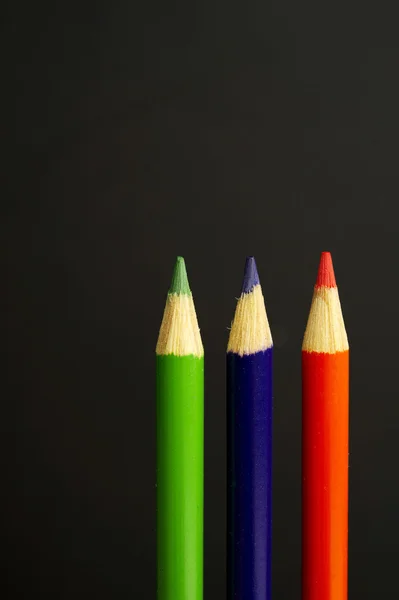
pixel 249 431
pixel 325 424
pixel 180 451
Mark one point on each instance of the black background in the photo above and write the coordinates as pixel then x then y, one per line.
pixel 137 131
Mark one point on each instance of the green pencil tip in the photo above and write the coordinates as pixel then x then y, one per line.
pixel 179 283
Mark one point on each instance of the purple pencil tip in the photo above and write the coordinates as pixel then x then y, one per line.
pixel 251 277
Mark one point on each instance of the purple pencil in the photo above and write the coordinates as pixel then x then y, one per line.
pixel 249 439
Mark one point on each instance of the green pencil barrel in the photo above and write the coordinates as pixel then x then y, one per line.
pixel 180 477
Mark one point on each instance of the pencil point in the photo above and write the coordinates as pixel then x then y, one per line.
pixel 251 277
pixel 325 276
pixel 179 283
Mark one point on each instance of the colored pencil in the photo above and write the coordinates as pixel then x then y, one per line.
pixel 325 424
pixel 180 446
pixel 249 445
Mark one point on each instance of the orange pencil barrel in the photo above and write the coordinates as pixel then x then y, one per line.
pixel 325 435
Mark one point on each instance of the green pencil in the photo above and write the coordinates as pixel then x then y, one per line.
pixel 180 445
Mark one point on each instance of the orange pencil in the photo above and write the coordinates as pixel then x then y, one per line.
pixel 325 425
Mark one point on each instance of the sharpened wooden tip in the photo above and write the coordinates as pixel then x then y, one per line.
pixel 250 331
pixel 179 333
pixel 325 330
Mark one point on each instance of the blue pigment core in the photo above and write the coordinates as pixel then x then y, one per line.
pixel 249 496
pixel 251 277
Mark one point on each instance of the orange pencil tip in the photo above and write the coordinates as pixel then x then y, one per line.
pixel 325 276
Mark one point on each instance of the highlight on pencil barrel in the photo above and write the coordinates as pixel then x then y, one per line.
pixel 249 444
pixel 180 446
pixel 325 432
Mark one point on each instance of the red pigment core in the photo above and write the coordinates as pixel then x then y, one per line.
pixel 325 276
